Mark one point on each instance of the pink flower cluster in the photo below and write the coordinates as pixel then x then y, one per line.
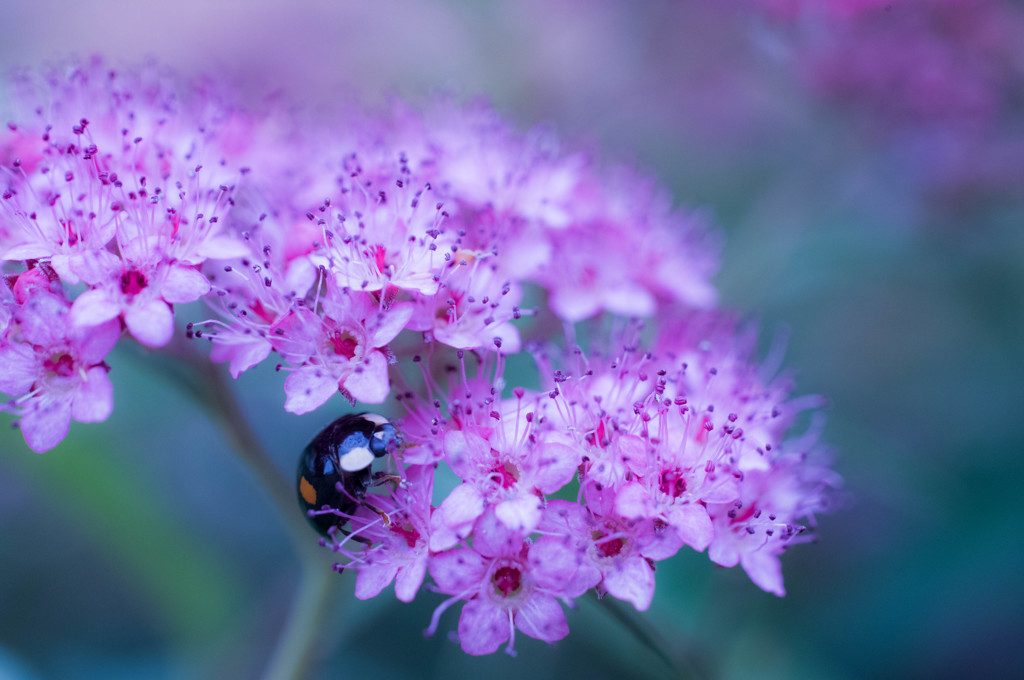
pixel 373 251
pixel 625 457
pixel 112 190
pixel 135 195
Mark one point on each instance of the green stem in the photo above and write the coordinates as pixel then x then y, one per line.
pixel 205 381
pixel 643 631
pixel 305 621
pixel 221 401
pixel 294 646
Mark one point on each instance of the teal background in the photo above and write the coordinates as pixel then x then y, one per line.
pixel 142 548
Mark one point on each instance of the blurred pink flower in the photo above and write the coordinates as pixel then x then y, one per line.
pixel 937 81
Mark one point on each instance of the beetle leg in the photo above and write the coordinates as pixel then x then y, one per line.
pixel 384 478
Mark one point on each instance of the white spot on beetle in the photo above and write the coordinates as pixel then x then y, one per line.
pixel 356 459
pixel 375 419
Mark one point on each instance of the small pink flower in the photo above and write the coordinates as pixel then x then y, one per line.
pixel 383 234
pixel 502 461
pixel 343 350
pixel 55 370
pixel 609 553
pixel 256 291
pixel 142 296
pixel 399 550
pixel 766 519
pixel 503 590
pixel 473 307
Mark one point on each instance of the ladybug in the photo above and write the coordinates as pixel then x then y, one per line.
pixel 335 470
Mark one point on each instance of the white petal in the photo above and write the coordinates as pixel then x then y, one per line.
pixel 95 398
pixel 308 388
pixel 150 321
pixel 370 384
pixel 184 284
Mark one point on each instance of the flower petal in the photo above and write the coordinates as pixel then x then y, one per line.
pixel 454 518
pixel 93 307
pixel 542 618
pixel 46 426
pixel 94 343
pixel 17 369
pixel 183 284
pixel 410 578
pixel 521 513
pixel 94 400
pixel 368 383
pixel 308 388
pixel 633 581
pixel 483 627
pixel 765 571
pixel 553 465
pixel 693 524
pixel 392 323
pixel 243 351
pixel 633 502
pixel 457 571
pixel 493 538
pixel 373 578
pixel 559 565
pixel 150 321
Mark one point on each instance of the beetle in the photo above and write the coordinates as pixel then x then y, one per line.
pixel 336 469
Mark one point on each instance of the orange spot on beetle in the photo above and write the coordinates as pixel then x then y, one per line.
pixel 307 491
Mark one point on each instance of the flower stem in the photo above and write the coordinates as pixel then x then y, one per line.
pixel 295 645
pixel 646 635
pixel 220 400
pixel 205 381
pixel 291 654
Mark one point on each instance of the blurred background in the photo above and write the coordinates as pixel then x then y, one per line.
pixel 866 165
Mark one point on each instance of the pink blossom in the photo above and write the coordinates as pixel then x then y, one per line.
pixel 120 159
pixel 754 530
pixel 502 589
pixel 141 296
pixel 55 371
pixel 399 537
pixel 609 553
pixel 549 214
pixel 668 436
pixel 670 255
pixel 342 351
pixel 503 462
pixel 474 307
pixel 257 290
pixel 383 234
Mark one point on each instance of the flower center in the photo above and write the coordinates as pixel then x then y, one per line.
pixel 133 282
pixel 451 311
pixel 507 581
pixel 507 474
pixel 672 483
pixel 60 364
pixel 262 312
pixel 609 547
pixel 344 344
pixel 407 531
